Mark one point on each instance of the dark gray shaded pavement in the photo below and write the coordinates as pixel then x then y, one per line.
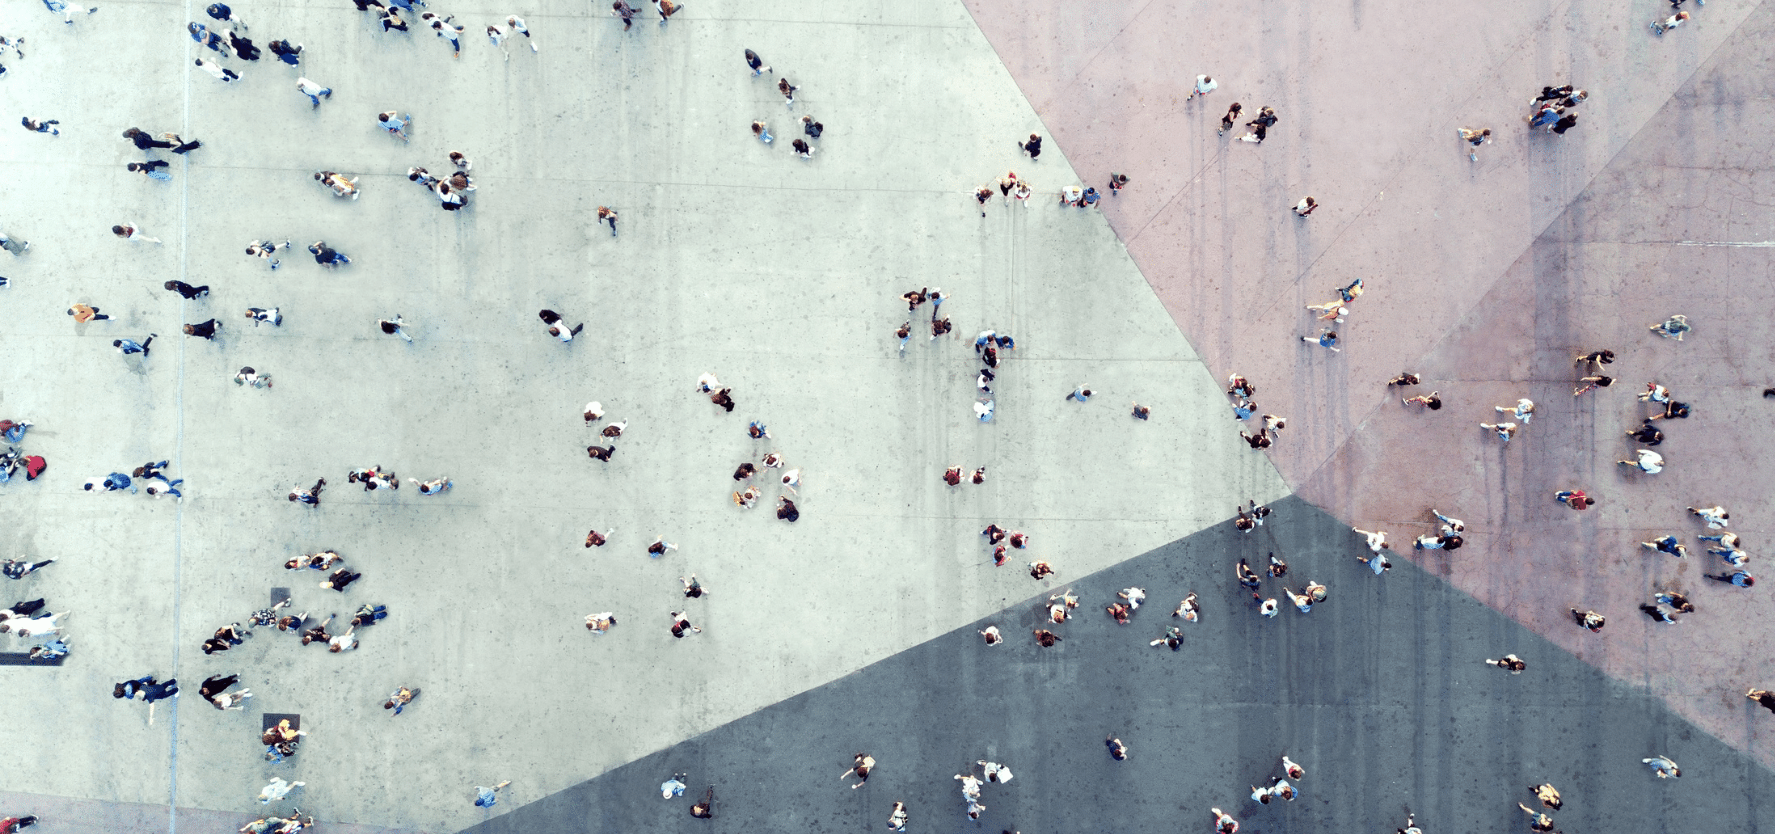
pixel 1379 692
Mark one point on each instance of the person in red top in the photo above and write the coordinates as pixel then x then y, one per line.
pixel 12 824
pixel 1574 498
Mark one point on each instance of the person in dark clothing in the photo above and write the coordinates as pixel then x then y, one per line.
pixel 1565 123
pixel 340 579
pixel 1647 434
pixel 187 290
pixel 203 330
pixel 812 128
pixel 23 609
pixel 150 689
pixel 15 569
pixel 787 511
pixel 1763 697
pixel 215 684
pixel 326 255
pixel 243 47
pixel 143 141
pixel 1033 147
pixel 220 11
pixel 286 52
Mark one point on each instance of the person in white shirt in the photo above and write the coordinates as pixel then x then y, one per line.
pixel 600 623
pixel 1134 596
pixel 1377 540
pixel 1450 526
pixel 32 628
pixel 1188 609
pixel 130 231
pixel 222 74
pixel 1204 86
pixel 277 790
pixel 995 772
pixel 1663 767
pixel 1649 461
pixel 1524 410
pixel 1280 787
pixel 343 642
pixel 517 25
pixel 1301 601
pixel 1716 517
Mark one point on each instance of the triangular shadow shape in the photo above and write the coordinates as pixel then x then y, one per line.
pixel 1380 693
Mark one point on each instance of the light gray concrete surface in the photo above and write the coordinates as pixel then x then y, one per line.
pixel 737 258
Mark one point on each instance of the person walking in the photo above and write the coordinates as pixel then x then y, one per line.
pixel 1663 767
pixel 1231 118
pixel 1306 206
pixel 1589 619
pixel 205 330
pixel 1715 517
pixel 488 797
pixel 47 126
pixel 1647 461
pixel 128 346
pixel 787 89
pixel 1432 401
pixel 130 231
pixel 1033 147
pixel 1474 138
pixel 83 313
pixel 1739 578
pixel 756 64
pixel 396 124
pixel 287 52
pixel 1326 339
pixel 315 92
pixel 1659 27
pixel 1574 498
pixel 666 9
pixel 394 327
pixel 1509 663
pixel 1504 430
pixel 607 214
pixel 1524 410
pixel 1203 86
pixel 446 29
pixel 622 9
pixel 327 256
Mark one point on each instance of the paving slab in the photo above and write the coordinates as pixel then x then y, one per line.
pixel 735 257
pixel 1483 277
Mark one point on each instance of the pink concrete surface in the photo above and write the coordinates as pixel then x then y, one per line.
pixel 1484 278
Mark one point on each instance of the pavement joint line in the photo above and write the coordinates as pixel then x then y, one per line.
pixel 172 788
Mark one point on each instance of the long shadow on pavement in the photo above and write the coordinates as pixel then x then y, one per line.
pixel 1380 693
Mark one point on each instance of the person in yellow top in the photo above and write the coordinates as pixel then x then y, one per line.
pixel 83 314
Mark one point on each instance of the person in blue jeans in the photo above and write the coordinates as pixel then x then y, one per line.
pixel 14 431
pixel 488 797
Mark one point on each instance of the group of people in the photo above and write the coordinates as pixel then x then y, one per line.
pixel 451 191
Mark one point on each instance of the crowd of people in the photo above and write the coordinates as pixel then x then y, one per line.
pixel 1554 110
